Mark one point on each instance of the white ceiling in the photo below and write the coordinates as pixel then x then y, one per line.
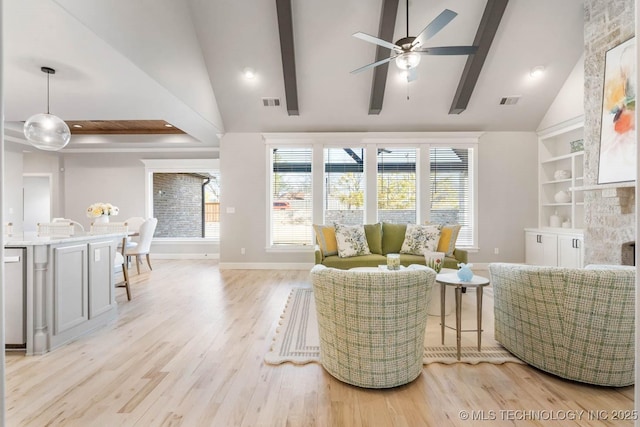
pixel 165 59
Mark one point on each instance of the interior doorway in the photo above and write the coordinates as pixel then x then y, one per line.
pixel 36 200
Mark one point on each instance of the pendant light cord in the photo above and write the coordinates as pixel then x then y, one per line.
pixel 407 18
pixel 48 74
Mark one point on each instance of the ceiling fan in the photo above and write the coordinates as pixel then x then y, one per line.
pixel 408 50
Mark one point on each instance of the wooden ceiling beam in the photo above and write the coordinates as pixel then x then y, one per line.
pixel 285 27
pixel 484 37
pixel 385 32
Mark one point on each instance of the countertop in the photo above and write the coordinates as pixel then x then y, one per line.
pixel 33 239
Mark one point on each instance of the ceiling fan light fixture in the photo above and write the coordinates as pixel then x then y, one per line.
pixel 46 131
pixel 408 60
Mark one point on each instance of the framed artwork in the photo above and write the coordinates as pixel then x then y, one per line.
pixel 618 128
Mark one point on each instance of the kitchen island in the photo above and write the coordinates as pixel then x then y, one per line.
pixel 69 286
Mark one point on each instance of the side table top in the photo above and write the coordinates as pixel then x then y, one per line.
pixel 453 279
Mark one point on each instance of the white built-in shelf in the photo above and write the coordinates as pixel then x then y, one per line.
pixel 603 186
pixel 559 181
pixel 562 157
pixel 556 204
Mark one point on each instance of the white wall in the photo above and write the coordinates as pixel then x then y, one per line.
pixel 569 103
pixel 507 194
pixel 507 199
pixel 12 206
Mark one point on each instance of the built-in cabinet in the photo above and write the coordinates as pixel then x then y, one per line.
pixel 554 248
pixel 558 239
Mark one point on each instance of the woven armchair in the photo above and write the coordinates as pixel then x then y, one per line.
pixel 575 323
pixel 372 323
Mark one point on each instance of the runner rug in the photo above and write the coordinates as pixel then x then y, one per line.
pixel 297 339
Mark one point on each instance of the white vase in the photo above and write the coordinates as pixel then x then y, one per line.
pixel 102 219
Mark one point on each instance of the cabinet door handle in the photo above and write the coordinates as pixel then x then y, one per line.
pixel 539 238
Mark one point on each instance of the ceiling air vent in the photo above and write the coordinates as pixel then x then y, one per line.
pixel 510 100
pixel 271 102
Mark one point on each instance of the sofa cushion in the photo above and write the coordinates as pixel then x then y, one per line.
pixel 372 260
pixel 448 237
pixel 392 237
pixel 351 240
pixel 374 237
pixel 420 238
pixel 326 238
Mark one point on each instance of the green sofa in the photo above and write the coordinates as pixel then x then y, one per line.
pixel 384 240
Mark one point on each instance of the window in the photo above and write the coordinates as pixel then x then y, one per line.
pixel 291 200
pixel 397 185
pixel 344 186
pixel 187 204
pixel 451 190
pixel 183 194
pixel 413 181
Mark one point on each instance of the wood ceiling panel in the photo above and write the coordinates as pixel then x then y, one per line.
pixel 121 127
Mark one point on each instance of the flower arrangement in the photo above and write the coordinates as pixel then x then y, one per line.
pixel 98 209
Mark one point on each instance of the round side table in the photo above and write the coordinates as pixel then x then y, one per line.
pixel 452 279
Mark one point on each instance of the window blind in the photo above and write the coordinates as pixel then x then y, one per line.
pixel 344 185
pixel 397 185
pixel 451 198
pixel 291 199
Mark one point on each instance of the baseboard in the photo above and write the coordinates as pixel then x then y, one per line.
pixel 184 256
pixel 265 266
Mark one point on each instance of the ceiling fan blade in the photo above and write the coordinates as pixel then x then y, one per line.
pixel 375 40
pixel 448 50
pixel 434 26
pixel 372 65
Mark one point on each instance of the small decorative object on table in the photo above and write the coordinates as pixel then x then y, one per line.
pixel 393 261
pixel 101 211
pixel 465 274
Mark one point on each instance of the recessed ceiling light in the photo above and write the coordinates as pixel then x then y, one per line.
pixel 167 125
pixel 77 126
pixel 537 72
pixel 249 72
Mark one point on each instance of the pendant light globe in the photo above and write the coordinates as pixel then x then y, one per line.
pixel 46 131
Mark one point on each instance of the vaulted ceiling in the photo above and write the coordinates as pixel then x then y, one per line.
pixel 181 61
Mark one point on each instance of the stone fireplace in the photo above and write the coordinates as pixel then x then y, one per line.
pixel 609 209
pixel 629 253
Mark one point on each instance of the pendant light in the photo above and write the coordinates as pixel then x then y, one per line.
pixel 46 131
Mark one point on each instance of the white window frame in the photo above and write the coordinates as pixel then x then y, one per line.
pixel 270 146
pixel 422 141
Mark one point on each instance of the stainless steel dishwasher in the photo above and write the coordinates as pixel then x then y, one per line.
pixel 14 295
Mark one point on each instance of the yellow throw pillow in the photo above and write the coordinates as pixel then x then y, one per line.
pixel 448 237
pixel 326 238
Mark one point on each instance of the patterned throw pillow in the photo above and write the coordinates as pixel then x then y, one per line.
pixel 351 240
pixel 420 238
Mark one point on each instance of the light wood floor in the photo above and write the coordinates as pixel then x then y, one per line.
pixel 188 351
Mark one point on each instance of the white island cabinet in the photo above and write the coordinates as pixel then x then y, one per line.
pixel 69 286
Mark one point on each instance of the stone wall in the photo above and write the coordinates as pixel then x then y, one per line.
pixel 177 203
pixel 609 212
